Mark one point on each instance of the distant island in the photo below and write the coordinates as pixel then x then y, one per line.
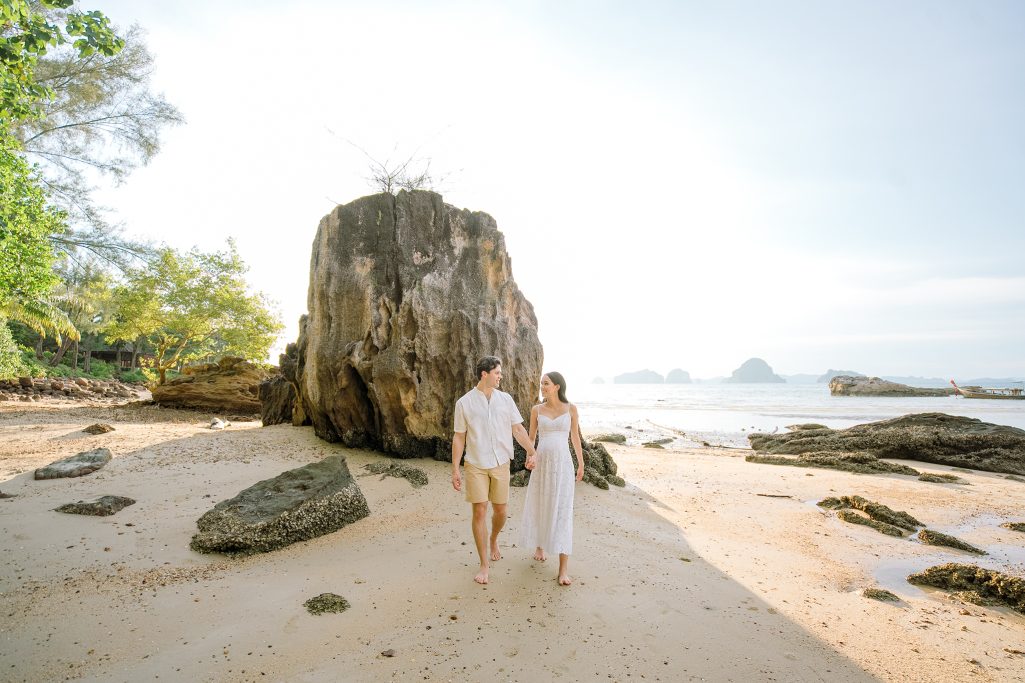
pixel 831 373
pixel 639 377
pixel 754 371
pixel 678 376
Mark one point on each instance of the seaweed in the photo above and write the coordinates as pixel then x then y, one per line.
pixel 986 583
pixel 326 602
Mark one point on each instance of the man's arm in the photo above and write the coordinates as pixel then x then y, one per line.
pixel 458 443
pixel 521 436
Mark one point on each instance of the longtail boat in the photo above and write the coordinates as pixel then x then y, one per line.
pixel 1013 393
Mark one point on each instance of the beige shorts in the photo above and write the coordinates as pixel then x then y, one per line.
pixel 483 485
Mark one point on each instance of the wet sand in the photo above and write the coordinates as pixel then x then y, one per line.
pixel 686 574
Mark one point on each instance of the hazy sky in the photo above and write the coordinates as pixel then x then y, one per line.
pixel 821 184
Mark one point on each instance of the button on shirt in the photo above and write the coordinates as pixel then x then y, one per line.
pixel 488 426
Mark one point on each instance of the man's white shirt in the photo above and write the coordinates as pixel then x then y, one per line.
pixel 488 426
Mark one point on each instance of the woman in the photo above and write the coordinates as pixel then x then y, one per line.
pixel 548 511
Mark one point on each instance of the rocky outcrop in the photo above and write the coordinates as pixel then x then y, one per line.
pixel 230 385
pixel 639 377
pixel 406 293
pixel 104 506
pixel 75 466
pixel 828 376
pixel 927 437
pixel 68 389
pixel 297 505
pixel 98 428
pixel 990 586
pixel 847 385
pixel 754 371
pixel 678 376
pixel 599 467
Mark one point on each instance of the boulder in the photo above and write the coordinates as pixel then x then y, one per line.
pixel 847 385
pixel 927 437
pixel 230 385
pixel 98 428
pixel 406 293
pixel 76 465
pixel 104 506
pixel 754 371
pixel 297 505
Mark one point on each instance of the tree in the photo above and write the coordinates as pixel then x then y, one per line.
pixel 87 300
pixel 27 220
pixel 193 305
pixel 100 117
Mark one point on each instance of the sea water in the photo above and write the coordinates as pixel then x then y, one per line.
pixel 724 414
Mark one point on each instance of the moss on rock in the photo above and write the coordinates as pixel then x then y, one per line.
pixel 326 602
pixel 880 594
pixel 877 511
pixel 1014 526
pixel 986 583
pixel 609 438
pixel 936 538
pixel 862 463
pixel 937 478
pixel 852 517
pixel 414 475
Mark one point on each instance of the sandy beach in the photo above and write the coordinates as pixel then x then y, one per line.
pixel 705 567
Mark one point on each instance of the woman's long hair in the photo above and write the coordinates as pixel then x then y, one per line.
pixel 560 381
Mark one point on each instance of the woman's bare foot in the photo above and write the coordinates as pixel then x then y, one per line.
pixel 482 576
pixel 539 554
pixel 564 580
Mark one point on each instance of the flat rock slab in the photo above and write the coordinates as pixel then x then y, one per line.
pixel 104 506
pixel 927 437
pixel 84 463
pixel 98 428
pixel 296 505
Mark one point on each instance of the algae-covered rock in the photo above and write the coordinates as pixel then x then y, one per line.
pixel 414 475
pixel 593 476
pixel 653 444
pixel 76 465
pixel 616 480
pixel 806 427
pixel 297 505
pixel 520 479
pixel 936 538
pixel 938 438
pixel 98 428
pixel 880 594
pixel 104 506
pixel 1014 526
pixel 599 467
pixel 876 511
pixel 610 438
pixel 882 527
pixel 987 583
pixel 862 463
pixel 326 602
pixel 938 478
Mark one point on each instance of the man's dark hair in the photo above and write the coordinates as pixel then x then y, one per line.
pixel 487 364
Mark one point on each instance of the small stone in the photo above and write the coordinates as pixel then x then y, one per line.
pixel 326 602
pixel 880 594
pixel 388 653
pixel 104 506
pixel 98 428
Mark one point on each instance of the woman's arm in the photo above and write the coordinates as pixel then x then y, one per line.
pixel 574 435
pixel 531 457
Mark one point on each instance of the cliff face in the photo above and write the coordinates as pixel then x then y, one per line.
pixel 406 293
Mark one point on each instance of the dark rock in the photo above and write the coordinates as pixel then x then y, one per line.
pixel 326 602
pixel 599 467
pixel 936 538
pixel 852 517
pixel 76 465
pixel 229 385
pixel 876 511
pixel 1014 526
pixel 845 385
pixel 25 382
pixel 610 438
pixel 862 463
pixel 406 293
pixel 520 479
pixel 678 376
pixel 880 594
pixel 639 377
pixel 104 506
pixel 414 475
pixel 4 496
pixel 593 476
pixel 297 505
pixel 928 437
pixel 277 401
pixel 940 478
pixel 98 428
pixel 989 584
pixel 754 371
pixel 653 444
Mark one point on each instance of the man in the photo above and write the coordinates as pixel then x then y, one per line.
pixel 486 420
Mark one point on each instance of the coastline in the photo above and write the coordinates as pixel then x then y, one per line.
pixel 687 573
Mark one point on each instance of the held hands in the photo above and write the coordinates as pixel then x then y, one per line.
pixel 580 472
pixel 531 460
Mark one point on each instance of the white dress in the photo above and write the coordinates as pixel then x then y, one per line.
pixel 548 510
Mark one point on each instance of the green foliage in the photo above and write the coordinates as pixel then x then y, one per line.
pixel 194 305
pixel 10 354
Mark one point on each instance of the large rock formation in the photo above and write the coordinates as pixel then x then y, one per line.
pixel 78 465
pixel 847 385
pixel 678 376
pixel 754 371
pixel 639 377
pixel 406 293
pixel 230 385
pixel 928 437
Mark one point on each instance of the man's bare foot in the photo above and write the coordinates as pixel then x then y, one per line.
pixel 496 554
pixel 482 576
pixel 539 555
pixel 564 580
